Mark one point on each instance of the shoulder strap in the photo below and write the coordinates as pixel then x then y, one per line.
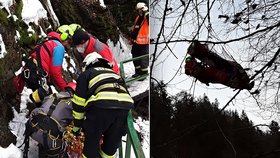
pixel 55 102
pixel 147 15
pixel 47 49
pixel 38 48
pixel 28 131
pixel 53 106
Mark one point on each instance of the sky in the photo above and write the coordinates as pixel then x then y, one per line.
pixel 170 60
pixel 32 11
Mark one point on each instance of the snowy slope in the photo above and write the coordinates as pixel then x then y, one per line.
pixel 32 12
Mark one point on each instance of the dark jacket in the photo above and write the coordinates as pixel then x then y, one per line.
pixel 100 87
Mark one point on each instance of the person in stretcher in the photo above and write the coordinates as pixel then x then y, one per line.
pixel 214 69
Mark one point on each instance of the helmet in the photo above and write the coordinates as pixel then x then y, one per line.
pixel 74 27
pixel 66 31
pixel 54 35
pixel 93 58
pixel 141 5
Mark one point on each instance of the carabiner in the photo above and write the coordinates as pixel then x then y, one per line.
pixel 45 74
pixel 26 73
pixel 54 143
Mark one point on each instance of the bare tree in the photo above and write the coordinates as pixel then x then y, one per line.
pixel 247 31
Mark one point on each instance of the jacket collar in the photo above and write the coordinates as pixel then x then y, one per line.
pixel 90 47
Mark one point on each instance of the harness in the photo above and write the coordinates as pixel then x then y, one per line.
pixel 41 71
pixel 49 126
pixel 33 72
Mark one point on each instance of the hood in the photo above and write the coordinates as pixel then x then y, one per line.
pixel 55 35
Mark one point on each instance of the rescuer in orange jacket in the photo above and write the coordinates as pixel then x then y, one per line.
pixel 140 39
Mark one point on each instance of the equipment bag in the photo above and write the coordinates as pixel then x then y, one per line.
pixel 47 130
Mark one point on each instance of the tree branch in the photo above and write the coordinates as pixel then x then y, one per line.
pixel 223 42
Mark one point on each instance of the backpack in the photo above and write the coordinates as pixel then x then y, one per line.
pixel 47 124
pixel 32 72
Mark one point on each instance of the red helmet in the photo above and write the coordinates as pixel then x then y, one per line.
pixel 54 35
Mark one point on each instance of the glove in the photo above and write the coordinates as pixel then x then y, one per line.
pixel 76 131
pixel 38 95
pixel 71 86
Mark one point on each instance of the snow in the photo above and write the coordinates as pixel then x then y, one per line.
pixel 17 37
pixel 10 152
pixel 102 4
pixel 32 12
pixel 17 126
pixel 143 126
pixel 139 87
pixel 3 51
pixel 121 50
pixel 71 67
pixel 7 4
pixel 15 18
pixel 25 98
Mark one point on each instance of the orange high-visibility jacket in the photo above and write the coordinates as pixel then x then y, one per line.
pixel 143 34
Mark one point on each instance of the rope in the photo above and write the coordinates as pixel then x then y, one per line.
pixel 233 149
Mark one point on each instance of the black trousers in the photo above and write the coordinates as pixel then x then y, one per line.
pixel 112 123
pixel 139 50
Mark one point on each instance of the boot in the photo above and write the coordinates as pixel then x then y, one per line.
pixel 144 71
pixel 137 73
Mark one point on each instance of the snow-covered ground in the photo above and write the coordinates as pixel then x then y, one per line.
pixel 10 152
pixel 32 13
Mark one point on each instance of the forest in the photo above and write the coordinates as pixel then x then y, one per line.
pixel 188 127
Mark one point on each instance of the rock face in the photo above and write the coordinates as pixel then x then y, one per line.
pixel 90 15
pixel 104 23
pixel 8 65
pixel 124 12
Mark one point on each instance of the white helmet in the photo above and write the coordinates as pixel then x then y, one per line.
pixel 93 58
pixel 141 5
